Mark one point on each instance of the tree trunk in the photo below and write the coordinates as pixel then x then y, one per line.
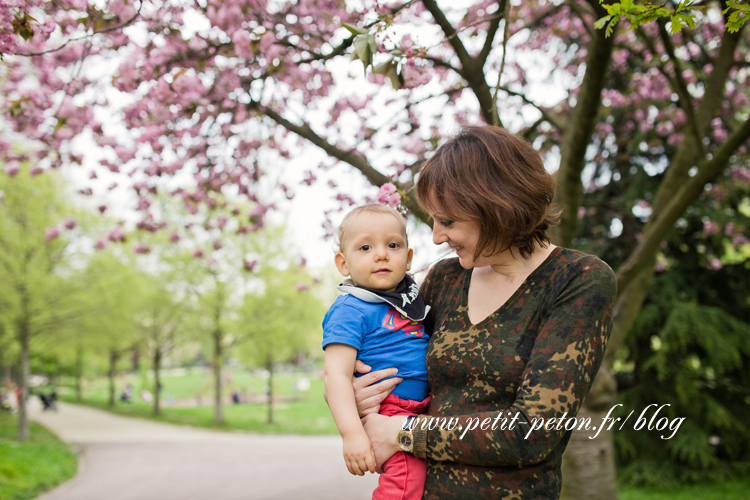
pixel 218 364
pixel 589 460
pixel 79 374
pixel 23 419
pixel 113 357
pixel 269 367
pixel 157 380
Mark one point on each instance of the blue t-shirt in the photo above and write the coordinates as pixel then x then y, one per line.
pixel 383 339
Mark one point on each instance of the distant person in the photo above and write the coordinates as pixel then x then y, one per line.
pixel 378 321
pixel 127 394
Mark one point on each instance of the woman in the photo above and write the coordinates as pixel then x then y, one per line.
pixel 518 327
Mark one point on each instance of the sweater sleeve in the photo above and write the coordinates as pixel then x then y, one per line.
pixel 566 355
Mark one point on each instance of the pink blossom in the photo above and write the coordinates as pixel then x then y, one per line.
pixel 51 233
pixel 715 264
pixel 174 238
pixel 197 253
pixel 70 223
pixel 11 169
pixel 711 227
pixel 309 178
pixel 36 171
pixel 301 287
pixel 102 208
pixel 729 229
pixel 660 266
pixel 116 234
pixel 739 240
pixel 250 265
pixel 581 212
pixel 216 245
pixel 100 244
pixel 142 249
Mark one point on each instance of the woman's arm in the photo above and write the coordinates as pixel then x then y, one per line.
pixel 566 355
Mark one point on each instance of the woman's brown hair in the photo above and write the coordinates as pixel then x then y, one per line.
pixel 491 176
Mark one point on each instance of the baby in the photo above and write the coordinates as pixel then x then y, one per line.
pixel 379 321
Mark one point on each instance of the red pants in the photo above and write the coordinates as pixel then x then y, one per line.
pixel 403 474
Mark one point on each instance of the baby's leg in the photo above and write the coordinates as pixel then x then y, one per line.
pixel 402 478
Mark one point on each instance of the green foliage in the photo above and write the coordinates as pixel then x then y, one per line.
pixel 694 356
pixel 34 466
pixel 739 13
pixel 638 14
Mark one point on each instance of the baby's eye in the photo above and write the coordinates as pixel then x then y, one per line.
pixel 365 248
pixel 393 245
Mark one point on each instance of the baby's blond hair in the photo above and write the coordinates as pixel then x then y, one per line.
pixel 368 208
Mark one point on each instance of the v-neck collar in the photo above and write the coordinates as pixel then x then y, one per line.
pixel 467 281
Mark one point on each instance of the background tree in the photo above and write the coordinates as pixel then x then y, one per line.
pixel 280 320
pixel 34 265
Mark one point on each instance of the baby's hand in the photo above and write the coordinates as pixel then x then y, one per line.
pixel 358 454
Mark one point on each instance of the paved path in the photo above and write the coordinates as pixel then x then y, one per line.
pixel 134 459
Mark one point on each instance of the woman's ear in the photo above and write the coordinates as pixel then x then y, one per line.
pixel 340 261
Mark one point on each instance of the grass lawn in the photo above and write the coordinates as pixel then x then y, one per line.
pixel 30 468
pixel 308 414
pixel 738 489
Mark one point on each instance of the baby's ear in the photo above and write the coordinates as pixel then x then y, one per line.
pixel 409 255
pixel 340 261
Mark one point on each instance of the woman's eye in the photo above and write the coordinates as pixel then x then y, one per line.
pixel 446 223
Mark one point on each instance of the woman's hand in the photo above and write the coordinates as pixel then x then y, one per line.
pixel 382 432
pixel 368 393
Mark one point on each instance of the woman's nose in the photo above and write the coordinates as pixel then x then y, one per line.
pixel 437 235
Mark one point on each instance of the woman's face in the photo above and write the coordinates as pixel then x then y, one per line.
pixel 461 236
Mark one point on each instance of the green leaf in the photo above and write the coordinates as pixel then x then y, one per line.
pixel 362 48
pixel 397 80
pixel 354 30
pixel 373 43
pixel 383 68
pixel 599 24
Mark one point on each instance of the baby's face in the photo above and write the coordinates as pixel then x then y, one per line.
pixel 374 251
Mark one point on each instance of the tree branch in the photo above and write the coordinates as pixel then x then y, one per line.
pixel 492 31
pixel 688 151
pixel 472 69
pixel 579 129
pixel 352 157
pixel 90 35
pixel 556 120
pixel 662 221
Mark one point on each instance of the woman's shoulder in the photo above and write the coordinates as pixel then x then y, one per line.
pixel 446 269
pixel 575 263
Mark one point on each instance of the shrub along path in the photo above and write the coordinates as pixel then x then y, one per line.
pixel 126 458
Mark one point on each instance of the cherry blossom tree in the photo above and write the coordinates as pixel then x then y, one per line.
pixel 223 92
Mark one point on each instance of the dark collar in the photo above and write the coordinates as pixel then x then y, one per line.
pixel 406 298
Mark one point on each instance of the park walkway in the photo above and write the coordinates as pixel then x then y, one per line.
pixel 134 459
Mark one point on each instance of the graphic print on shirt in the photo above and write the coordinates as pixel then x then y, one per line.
pixel 395 321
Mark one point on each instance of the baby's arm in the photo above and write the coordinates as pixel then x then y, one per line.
pixel 339 366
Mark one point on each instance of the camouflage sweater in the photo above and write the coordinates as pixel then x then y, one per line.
pixel 533 358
